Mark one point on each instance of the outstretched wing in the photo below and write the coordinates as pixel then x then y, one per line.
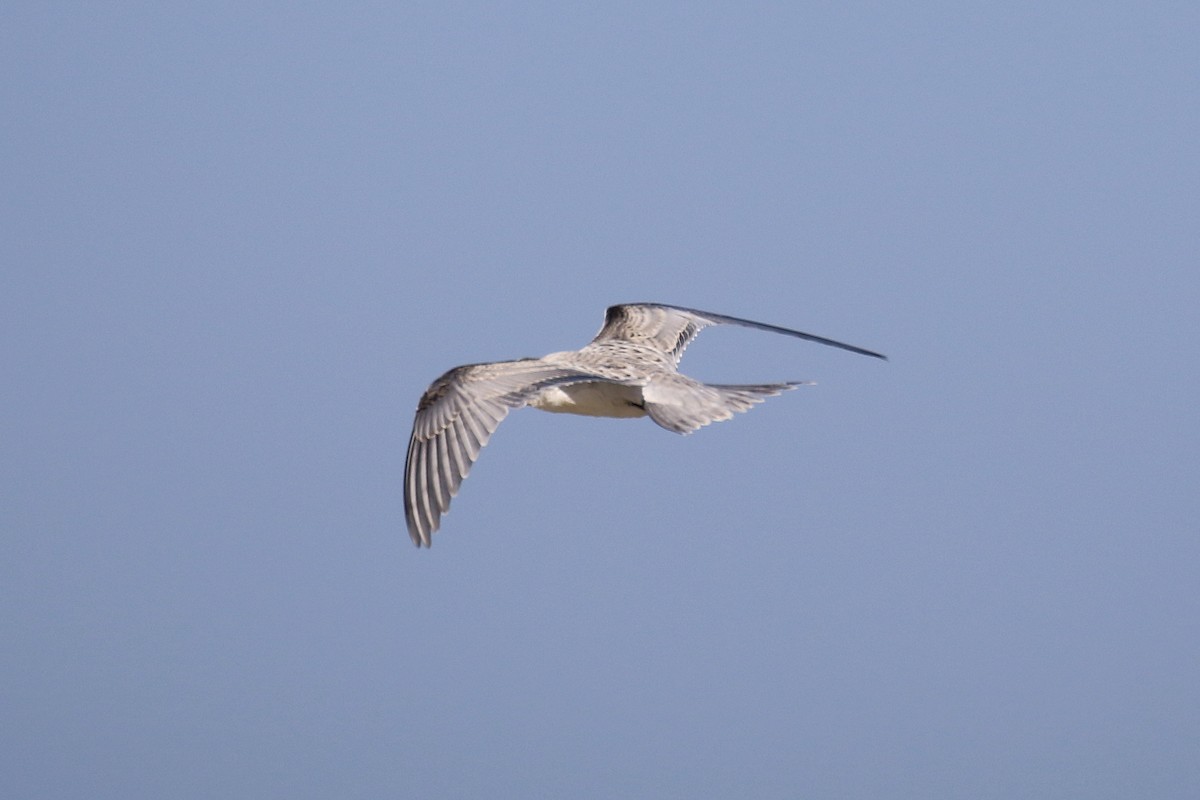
pixel 670 329
pixel 455 418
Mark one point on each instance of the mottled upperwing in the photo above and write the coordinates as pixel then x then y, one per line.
pixel 666 329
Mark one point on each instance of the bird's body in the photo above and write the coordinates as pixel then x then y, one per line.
pixel 591 399
pixel 629 370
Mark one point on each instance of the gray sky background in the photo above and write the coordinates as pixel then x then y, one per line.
pixel 238 240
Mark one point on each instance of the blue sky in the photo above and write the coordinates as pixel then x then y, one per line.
pixel 239 240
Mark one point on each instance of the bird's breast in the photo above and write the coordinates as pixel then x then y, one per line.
pixel 592 400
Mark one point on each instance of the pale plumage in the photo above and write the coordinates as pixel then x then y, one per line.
pixel 628 370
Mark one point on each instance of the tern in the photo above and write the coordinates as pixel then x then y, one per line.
pixel 629 370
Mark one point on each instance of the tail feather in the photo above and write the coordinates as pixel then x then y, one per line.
pixel 685 405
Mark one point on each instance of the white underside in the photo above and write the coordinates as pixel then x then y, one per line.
pixel 592 400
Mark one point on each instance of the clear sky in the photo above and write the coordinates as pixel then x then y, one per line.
pixel 238 240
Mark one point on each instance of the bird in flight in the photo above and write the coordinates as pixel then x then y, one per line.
pixel 628 370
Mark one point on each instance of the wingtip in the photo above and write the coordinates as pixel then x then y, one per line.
pixel 419 538
pixel 862 351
